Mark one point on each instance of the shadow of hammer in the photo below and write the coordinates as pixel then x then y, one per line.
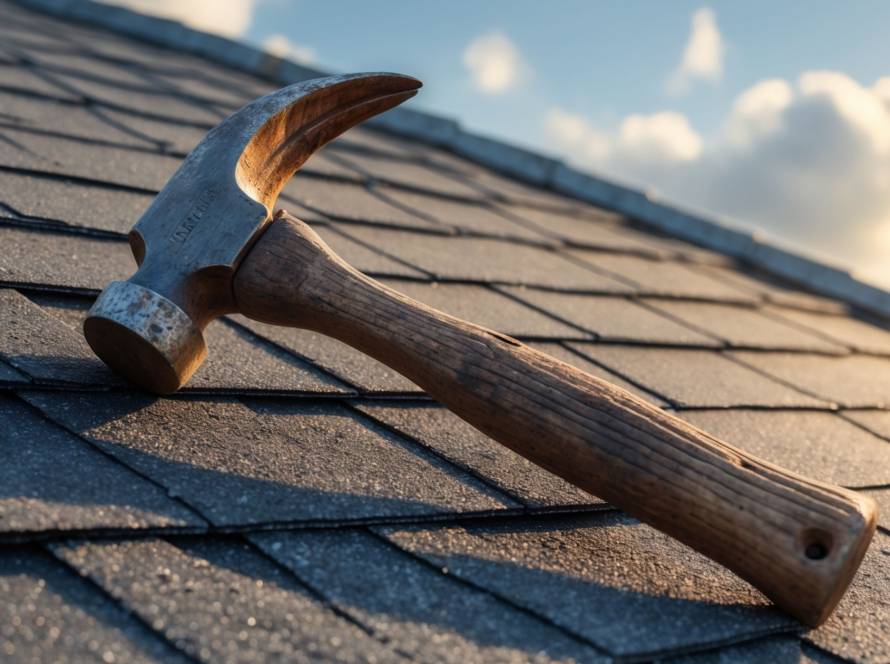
pixel 209 245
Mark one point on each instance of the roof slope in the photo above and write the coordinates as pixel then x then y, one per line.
pixel 299 501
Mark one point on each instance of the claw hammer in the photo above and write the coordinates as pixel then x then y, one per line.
pixel 209 244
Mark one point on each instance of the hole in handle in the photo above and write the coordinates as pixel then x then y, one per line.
pixel 816 544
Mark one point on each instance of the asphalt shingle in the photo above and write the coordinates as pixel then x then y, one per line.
pixel 45 348
pixel 613 319
pixel 363 256
pixel 622 585
pixel 334 357
pixel 27 80
pixel 582 362
pixel 424 613
pixel 876 421
pixel 49 614
pixel 449 436
pixel 855 380
pixel 148 100
pixel 272 462
pixel 489 260
pixel 10 375
pixel 352 202
pixel 51 481
pixel 143 170
pixel 221 601
pixel 822 446
pixel 74 203
pixel 852 332
pixel 693 378
pixel 770 649
pixel 662 278
pixel 412 175
pixel 770 289
pixel 582 230
pixel 744 327
pixel 467 217
pixel 486 307
pixel 55 116
pixel 239 361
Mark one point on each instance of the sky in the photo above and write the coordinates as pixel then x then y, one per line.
pixel 767 115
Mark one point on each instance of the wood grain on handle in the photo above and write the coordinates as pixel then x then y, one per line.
pixel 797 540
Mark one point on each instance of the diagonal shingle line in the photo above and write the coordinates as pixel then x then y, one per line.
pixel 85 440
pixel 620 374
pixel 330 605
pixel 486 591
pixel 807 644
pixel 104 592
pixel 152 146
pixel 776 379
pixel 48 72
pixel 78 179
pixel 483 479
pixel 568 631
pixel 492 516
pixel 714 646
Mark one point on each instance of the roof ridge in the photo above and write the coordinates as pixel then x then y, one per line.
pixel 534 168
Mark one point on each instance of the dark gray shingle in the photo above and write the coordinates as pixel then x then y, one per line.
pixel 626 587
pixel 428 614
pixel 613 319
pixel 693 378
pixel 272 462
pixel 818 445
pixel 449 436
pixel 222 601
pixel 49 614
pixel 51 481
pixel 849 381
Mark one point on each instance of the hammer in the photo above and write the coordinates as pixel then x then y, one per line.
pixel 209 244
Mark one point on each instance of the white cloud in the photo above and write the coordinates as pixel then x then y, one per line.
pixel 662 137
pixel 758 111
pixel 577 134
pixel 703 55
pixel 642 146
pixel 807 161
pixel 229 18
pixel 494 63
pixel 284 48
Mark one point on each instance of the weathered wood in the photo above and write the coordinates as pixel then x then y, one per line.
pixel 797 540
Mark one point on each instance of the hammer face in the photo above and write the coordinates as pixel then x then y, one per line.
pixel 144 336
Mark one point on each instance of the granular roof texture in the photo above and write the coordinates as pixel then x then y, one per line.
pixel 298 501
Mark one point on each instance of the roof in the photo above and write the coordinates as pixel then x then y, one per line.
pixel 299 501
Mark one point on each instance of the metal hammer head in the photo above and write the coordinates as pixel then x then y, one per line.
pixel 190 241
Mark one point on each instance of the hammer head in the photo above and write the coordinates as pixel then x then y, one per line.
pixel 190 241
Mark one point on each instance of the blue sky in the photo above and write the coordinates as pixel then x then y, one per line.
pixel 774 115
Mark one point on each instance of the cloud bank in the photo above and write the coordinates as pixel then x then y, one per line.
pixel 229 18
pixel 494 63
pixel 808 161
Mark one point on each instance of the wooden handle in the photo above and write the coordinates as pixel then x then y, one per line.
pixel 797 540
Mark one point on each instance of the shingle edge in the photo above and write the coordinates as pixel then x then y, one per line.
pixel 523 164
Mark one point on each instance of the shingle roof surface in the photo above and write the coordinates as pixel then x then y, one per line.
pixel 301 502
